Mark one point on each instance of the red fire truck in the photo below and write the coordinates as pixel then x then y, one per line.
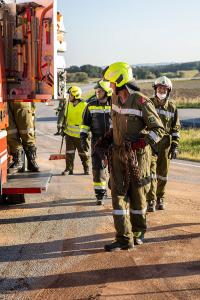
pixel 27 74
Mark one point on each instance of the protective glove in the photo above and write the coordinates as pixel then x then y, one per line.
pixel 140 144
pixel 84 145
pixel 173 151
pixel 103 143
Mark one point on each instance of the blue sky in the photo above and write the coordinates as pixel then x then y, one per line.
pixel 145 31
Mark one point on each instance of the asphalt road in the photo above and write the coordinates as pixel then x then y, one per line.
pixel 52 246
pixel 190 117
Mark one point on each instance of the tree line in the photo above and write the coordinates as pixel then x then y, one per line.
pixel 83 73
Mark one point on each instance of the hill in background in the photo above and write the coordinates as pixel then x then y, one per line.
pixel 173 70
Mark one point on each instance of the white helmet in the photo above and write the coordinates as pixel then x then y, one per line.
pixel 163 81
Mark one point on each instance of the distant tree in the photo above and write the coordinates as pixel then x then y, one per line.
pixel 81 76
pixel 73 69
pixel 92 71
pixel 77 77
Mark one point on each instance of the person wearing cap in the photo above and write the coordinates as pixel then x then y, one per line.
pixel 73 118
pixel 167 146
pixel 97 120
pixel 136 127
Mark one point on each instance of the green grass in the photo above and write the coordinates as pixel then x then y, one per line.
pixel 186 93
pixel 189 73
pixel 190 144
pixel 187 102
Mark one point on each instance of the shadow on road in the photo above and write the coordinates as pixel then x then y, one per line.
pixel 57 217
pixel 55 203
pixel 103 276
pixel 71 247
pixel 54 249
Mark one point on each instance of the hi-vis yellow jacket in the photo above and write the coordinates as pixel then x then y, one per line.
pixel 74 118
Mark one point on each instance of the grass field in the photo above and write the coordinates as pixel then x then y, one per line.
pixel 186 93
pixel 190 144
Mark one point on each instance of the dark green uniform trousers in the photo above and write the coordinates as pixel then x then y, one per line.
pixel 129 210
pixel 159 171
pixel 73 143
pixel 21 126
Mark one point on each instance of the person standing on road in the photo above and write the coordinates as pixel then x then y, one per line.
pixel 60 111
pixel 97 120
pixel 136 125
pixel 21 136
pixel 167 146
pixel 71 129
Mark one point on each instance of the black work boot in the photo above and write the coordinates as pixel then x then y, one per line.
pixel 160 204
pixel 86 171
pixel 116 246
pixel 31 156
pixel 138 238
pixel 151 206
pixel 100 198
pixel 17 163
pixel 12 199
pixel 67 172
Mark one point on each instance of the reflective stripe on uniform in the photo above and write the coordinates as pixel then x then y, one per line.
pixel 153 176
pixel 165 113
pixel 176 134
pixel 10 131
pixel 70 151
pixel 154 136
pixel 99 185
pixel 100 111
pixel 162 178
pixel 74 128
pixel 138 211
pixel 71 132
pixel 84 128
pixel 121 212
pixel 127 111
pixel 29 130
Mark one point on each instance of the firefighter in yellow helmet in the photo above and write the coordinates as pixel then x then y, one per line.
pixel 167 146
pixel 97 120
pixel 136 127
pixel 72 121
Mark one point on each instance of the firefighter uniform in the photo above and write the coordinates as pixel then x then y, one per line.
pixel 168 114
pixel 130 121
pixel 73 119
pixel 21 134
pixel 97 120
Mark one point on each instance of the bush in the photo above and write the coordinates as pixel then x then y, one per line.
pixel 77 77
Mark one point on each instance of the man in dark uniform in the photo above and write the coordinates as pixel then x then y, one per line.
pixel 97 120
